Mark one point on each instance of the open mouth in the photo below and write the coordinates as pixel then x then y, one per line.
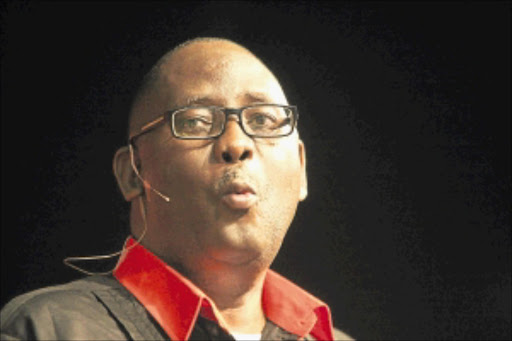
pixel 239 196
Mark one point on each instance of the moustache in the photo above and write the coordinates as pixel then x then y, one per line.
pixel 233 176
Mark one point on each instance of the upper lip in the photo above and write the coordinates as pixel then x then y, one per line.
pixel 238 188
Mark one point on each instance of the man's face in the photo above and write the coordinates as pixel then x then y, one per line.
pixel 233 197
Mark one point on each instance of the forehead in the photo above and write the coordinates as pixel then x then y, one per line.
pixel 217 70
pixel 211 73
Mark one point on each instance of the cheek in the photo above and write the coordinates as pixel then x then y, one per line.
pixel 282 171
pixel 180 173
pixel 185 165
pixel 280 203
pixel 282 166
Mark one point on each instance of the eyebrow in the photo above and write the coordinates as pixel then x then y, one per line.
pixel 199 100
pixel 257 97
pixel 249 97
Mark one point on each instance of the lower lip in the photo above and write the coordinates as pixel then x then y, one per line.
pixel 239 201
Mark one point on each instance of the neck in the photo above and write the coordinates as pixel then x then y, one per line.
pixel 237 296
pixel 235 289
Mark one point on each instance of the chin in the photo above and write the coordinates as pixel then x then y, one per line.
pixel 242 241
pixel 235 250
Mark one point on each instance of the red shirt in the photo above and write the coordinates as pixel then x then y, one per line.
pixel 175 302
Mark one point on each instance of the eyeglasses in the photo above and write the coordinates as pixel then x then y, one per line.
pixel 208 122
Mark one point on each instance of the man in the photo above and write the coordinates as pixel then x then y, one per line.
pixel 214 171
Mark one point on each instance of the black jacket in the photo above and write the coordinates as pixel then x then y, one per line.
pixel 99 308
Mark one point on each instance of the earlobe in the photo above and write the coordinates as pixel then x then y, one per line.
pixel 128 183
pixel 304 179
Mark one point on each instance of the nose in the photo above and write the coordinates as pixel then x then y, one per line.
pixel 233 145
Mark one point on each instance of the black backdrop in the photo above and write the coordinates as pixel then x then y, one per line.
pixel 405 112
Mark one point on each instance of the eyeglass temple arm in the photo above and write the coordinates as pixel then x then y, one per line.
pixel 147 127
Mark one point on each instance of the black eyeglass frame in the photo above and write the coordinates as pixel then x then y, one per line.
pixel 167 118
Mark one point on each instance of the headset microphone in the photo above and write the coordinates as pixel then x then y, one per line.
pixel 146 184
pixel 69 260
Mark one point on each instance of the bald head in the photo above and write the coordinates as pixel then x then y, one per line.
pixel 193 64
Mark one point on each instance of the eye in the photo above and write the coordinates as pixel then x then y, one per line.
pixel 261 119
pixel 267 120
pixel 190 123
pixel 193 122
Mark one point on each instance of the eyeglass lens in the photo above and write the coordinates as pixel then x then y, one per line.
pixel 267 120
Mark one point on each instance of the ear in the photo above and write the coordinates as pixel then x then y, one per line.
pixel 304 179
pixel 127 180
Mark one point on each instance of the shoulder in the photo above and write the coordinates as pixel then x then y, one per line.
pixel 59 312
pixel 73 295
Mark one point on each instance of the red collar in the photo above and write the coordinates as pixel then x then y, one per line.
pixel 175 302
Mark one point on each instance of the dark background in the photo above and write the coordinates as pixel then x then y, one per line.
pixel 405 112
